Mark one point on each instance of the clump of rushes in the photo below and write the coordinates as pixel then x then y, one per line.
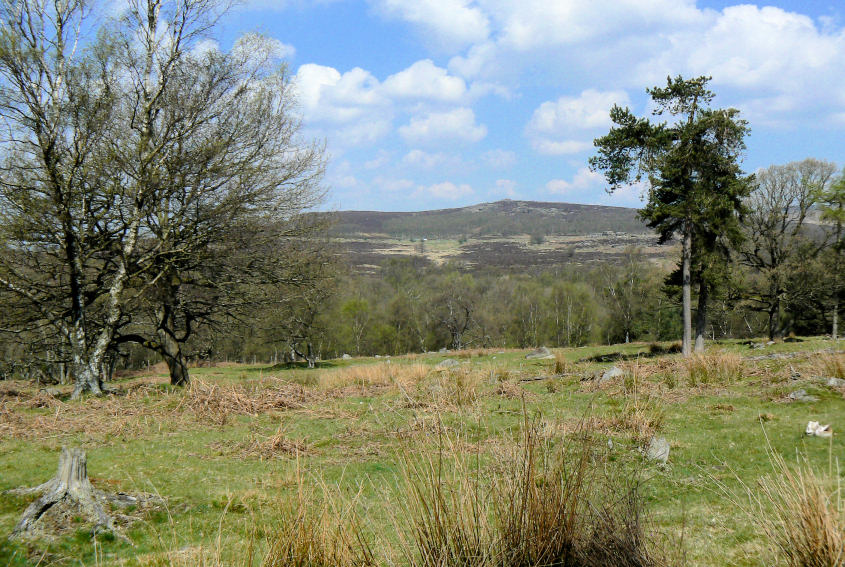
pixel 797 509
pixel 561 365
pixel 801 514
pixel 714 368
pixel 830 365
pixel 544 503
pixel 319 530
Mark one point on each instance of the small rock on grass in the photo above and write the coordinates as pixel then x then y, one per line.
pixel 658 449
pixel 836 382
pixel 801 396
pixel 541 353
pixel 448 363
pixel 610 374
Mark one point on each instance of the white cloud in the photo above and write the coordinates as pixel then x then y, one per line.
pixel 452 23
pixel 346 107
pixel 583 181
pixel 446 191
pixel 343 182
pixel 589 187
pixel 205 46
pixel 425 160
pixel 506 187
pixel 567 125
pixel 477 61
pixel 392 185
pixel 591 109
pixel 382 159
pixel 499 159
pixel 767 53
pixel 326 94
pixel 530 24
pixel 425 80
pixel 770 61
pixel 455 125
pixel 355 107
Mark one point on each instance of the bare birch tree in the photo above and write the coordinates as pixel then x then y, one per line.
pixel 64 252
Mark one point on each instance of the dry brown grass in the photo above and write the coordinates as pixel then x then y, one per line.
pixel 319 530
pixel 374 375
pixel 721 368
pixel 318 527
pixel 475 352
pixel 562 365
pixel 272 447
pixel 636 421
pixel 448 389
pixel 98 418
pixel 513 391
pixel 540 505
pixel 143 407
pixel 798 508
pixel 806 519
pixel 215 403
pixel 828 365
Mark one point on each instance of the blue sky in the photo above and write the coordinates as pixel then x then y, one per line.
pixel 439 103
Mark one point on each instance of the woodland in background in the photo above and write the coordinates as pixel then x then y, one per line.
pixel 783 279
pixel 157 203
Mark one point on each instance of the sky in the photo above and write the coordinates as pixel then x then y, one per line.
pixel 427 104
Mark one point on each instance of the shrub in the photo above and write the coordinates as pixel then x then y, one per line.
pixel 538 238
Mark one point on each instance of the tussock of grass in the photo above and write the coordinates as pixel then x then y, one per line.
pixel 805 519
pixel 444 390
pixel 374 375
pixel 829 365
pixel 639 421
pixel 548 505
pixel 798 509
pixel 277 445
pixel 513 391
pixel 318 527
pixel 713 368
pixel 561 364
pixel 319 531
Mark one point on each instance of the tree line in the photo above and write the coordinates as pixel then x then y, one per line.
pixel 782 277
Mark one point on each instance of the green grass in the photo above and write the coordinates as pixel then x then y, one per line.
pixel 355 435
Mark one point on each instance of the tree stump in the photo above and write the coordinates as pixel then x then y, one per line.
pixel 70 491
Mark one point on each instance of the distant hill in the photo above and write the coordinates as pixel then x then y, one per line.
pixel 505 235
pixel 502 218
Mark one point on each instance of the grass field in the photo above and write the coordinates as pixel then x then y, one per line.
pixel 232 455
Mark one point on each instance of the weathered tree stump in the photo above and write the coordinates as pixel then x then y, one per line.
pixel 71 490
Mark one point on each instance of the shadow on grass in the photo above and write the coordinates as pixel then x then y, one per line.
pixel 654 350
pixel 320 365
